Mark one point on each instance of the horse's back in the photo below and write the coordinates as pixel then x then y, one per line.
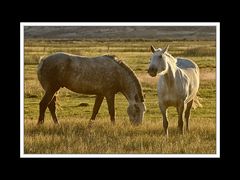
pixel 79 73
pixel 191 69
pixel 184 63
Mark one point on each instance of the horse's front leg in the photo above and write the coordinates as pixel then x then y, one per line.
pixel 97 104
pixel 181 108
pixel 163 110
pixel 111 109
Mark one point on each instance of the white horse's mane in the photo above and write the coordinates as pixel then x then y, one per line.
pixel 173 60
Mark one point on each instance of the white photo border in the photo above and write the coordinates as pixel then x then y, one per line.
pixel 215 24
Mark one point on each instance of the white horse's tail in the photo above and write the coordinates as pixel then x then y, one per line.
pixel 196 102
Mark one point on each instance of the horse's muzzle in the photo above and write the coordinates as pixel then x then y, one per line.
pixel 152 72
pixel 136 123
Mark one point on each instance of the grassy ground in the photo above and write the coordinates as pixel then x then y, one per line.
pixel 73 137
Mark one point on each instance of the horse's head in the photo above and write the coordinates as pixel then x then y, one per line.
pixel 158 62
pixel 136 112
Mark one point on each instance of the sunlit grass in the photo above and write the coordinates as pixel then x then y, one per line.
pixel 72 136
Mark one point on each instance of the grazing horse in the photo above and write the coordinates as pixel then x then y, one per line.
pixel 102 76
pixel 178 84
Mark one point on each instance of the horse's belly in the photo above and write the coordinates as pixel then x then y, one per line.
pixel 84 87
pixel 86 90
pixel 88 87
pixel 169 102
pixel 167 99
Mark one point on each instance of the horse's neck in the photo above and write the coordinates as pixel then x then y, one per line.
pixel 129 89
pixel 169 76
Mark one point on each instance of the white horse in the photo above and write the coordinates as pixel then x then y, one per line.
pixel 178 84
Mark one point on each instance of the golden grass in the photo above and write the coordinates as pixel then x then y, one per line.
pixel 72 136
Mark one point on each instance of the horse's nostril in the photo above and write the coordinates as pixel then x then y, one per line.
pixel 152 72
pixel 150 69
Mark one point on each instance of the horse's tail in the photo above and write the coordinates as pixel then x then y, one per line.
pixel 40 67
pixel 196 102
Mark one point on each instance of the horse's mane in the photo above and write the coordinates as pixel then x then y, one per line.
pixel 130 72
pixel 171 57
pixel 173 60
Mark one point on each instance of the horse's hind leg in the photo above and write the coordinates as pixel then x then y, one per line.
pixel 163 110
pixel 52 109
pixel 111 108
pixel 44 103
pixel 187 114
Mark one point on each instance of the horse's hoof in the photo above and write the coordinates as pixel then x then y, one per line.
pixel 90 124
pixel 39 123
pixel 56 122
pixel 180 132
pixel 166 134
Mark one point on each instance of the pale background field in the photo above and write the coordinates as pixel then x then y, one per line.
pixel 72 136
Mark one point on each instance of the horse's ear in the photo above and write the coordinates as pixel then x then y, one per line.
pixel 165 49
pixel 153 49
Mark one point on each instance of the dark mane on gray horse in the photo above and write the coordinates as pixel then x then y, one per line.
pixel 131 73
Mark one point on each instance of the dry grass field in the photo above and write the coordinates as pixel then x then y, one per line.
pixel 72 136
